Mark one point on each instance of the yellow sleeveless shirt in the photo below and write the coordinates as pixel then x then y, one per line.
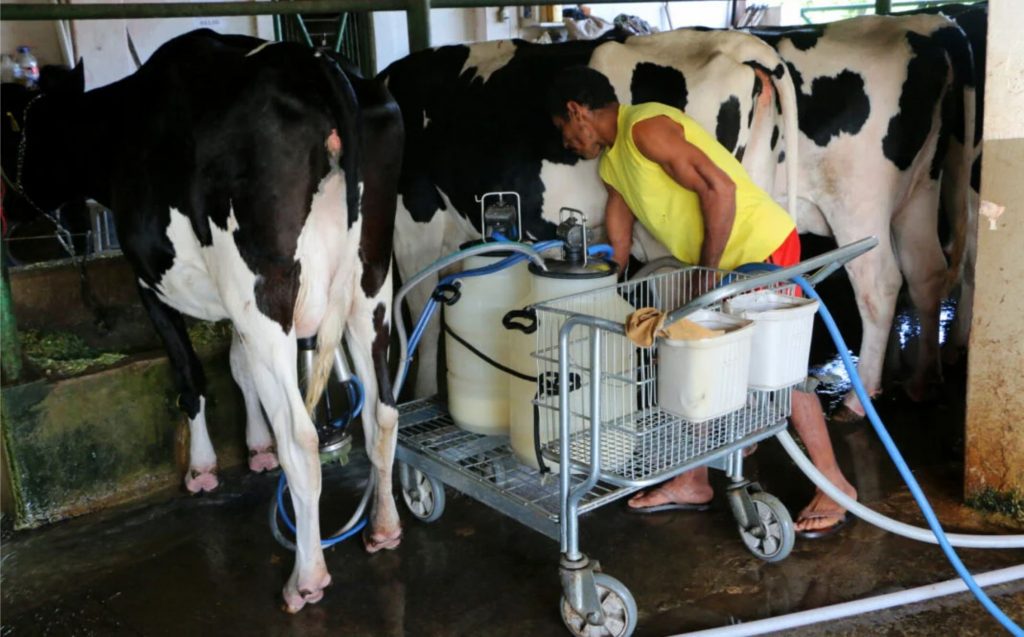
pixel 672 213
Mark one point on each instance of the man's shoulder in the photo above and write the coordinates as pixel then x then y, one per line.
pixel 651 121
pixel 648 110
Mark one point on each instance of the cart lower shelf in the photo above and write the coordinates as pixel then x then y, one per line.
pixel 486 469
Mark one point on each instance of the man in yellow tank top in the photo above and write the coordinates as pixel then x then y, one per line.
pixel 661 168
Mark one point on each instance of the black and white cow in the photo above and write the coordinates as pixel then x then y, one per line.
pixel 475 122
pixel 248 185
pixel 973 20
pixel 875 95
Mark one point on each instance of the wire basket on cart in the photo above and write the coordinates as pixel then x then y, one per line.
pixel 598 405
pixel 640 442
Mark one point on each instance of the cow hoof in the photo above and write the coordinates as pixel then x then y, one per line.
pixel 261 460
pixel 197 480
pixel 295 600
pixel 843 415
pixel 381 542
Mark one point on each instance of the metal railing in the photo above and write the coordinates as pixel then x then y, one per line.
pixel 879 7
pixel 417 11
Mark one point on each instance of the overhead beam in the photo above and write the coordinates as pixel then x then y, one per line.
pixel 13 12
pixel 110 11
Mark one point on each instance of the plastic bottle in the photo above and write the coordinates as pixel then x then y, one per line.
pixel 29 66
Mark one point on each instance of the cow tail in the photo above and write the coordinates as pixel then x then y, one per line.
pixel 344 107
pixel 965 212
pixel 787 94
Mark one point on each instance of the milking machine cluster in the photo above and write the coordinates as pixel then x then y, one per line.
pixel 486 440
pixel 332 420
pixel 332 423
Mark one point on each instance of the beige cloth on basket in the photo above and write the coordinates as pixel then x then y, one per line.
pixel 644 325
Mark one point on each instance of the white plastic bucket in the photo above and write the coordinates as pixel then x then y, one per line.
pixel 782 336
pixel 706 378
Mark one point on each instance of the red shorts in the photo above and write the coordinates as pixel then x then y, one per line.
pixel 787 254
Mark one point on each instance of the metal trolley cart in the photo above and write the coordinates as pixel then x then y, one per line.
pixel 596 410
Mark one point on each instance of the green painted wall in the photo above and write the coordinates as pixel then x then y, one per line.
pixel 106 438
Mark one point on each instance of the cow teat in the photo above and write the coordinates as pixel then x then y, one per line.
pixel 333 143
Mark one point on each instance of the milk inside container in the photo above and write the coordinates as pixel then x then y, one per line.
pixel 573 273
pixel 475 341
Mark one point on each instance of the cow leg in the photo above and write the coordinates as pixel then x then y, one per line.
pixel 368 333
pixel 262 454
pixel 271 358
pixel 961 330
pixel 915 229
pixel 191 384
pixel 876 280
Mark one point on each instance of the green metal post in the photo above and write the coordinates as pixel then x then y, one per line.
pixel 883 7
pixel 10 346
pixel 418 15
pixel 342 23
pixel 305 32
pixel 368 45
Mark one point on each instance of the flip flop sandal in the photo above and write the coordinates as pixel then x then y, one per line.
pixel 669 506
pixel 817 534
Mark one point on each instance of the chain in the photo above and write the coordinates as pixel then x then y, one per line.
pixel 63 234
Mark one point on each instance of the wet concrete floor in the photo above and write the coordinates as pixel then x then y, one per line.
pixel 208 565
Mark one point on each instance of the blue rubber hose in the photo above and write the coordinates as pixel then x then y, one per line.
pixel 360 392
pixel 357 398
pixel 507 262
pixel 357 394
pixel 602 249
pixel 282 483
pixel 897 457
pixel 431 307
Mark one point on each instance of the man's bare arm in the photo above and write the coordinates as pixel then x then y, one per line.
pixel 618 221
pixel 663 141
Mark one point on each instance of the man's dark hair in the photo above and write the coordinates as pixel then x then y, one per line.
pixel 578 84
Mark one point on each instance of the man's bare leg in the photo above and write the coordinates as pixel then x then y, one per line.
pixel 691 487
pixel 822 512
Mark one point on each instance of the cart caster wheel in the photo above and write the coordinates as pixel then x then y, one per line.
pixel 423 495
pixel 619 608
pixel 778 526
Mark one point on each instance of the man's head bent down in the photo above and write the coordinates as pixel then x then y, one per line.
pixel 582 104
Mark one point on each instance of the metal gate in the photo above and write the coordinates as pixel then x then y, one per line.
pixel 349 33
